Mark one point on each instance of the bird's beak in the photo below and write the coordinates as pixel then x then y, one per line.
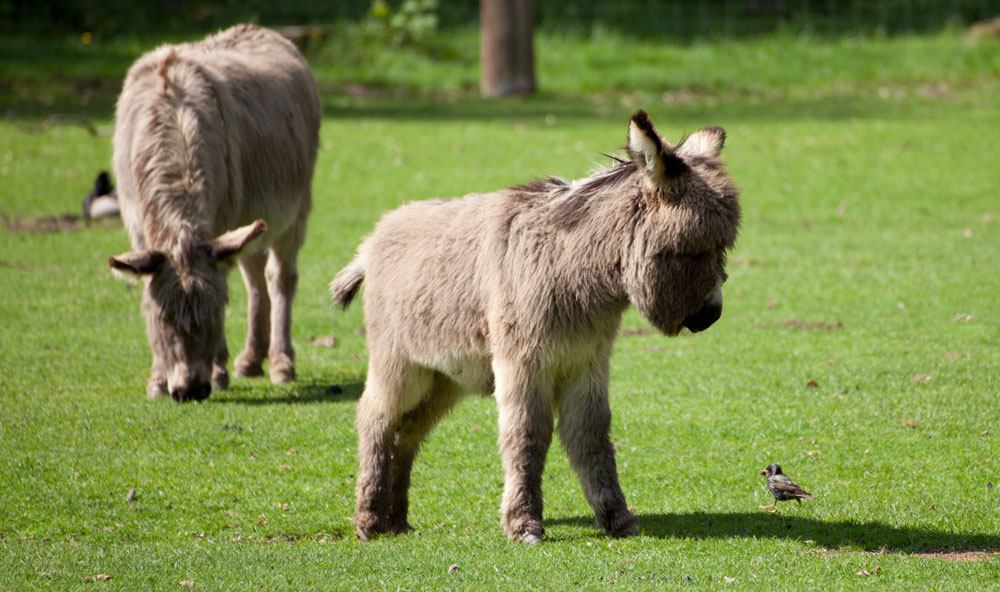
pixel 763 471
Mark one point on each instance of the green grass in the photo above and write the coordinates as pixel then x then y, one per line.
pixel 609 61
pixel 870 223
pixel 606 68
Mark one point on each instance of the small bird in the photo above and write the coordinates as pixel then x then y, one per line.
pixel 782 487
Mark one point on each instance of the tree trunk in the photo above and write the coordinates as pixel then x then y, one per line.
pixel 507 60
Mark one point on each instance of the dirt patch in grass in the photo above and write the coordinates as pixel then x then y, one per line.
pixel 55 224
pixel 958 555
pixel 282 538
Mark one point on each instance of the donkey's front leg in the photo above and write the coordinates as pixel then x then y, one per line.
pixel 156 385
pixel 525 422
pixel 249 361
pixel 220 376
pixel 584 428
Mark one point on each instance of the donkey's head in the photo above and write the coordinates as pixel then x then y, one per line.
pixel 184 302
pixel 689 215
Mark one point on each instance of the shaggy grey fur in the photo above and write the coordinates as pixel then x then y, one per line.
pixel 520 293
pixel 210 137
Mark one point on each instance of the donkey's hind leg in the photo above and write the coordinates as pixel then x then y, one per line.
pixel 584 428
pixel 413 428
pixel 392 389
pixel 249 361
pixel 282 275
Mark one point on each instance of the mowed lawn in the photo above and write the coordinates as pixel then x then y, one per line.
pixel 858 348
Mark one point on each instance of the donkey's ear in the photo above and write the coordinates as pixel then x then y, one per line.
pixel 644 142
pixel 138 263
pixel 707 141
pixel 231 243
pixel 648 150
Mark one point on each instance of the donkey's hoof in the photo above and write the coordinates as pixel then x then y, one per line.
pixel 629 530
pixel 220 380
pixel 283 376
pixel 368 525
pixel 400 528
pixel 623 525
pixel 282 369
pixel 156 389
pixel 246 367
pixel 525 530
pixel 366 534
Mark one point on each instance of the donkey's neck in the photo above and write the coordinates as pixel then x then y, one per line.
pixel 595 228
pixel 176 174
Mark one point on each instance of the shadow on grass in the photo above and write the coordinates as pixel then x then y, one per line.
pixel 298 394
pixel 30 102
pixel 584 108
pixel 837 534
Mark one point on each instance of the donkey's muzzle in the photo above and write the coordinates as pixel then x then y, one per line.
pixel 196 392
pixel 709 313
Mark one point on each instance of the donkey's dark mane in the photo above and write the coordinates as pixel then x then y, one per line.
pixel 542 186
pixel 574 198
pixel 605 177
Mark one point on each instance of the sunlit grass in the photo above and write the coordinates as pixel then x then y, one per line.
pixel 858 349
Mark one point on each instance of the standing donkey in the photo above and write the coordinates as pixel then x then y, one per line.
pixel 214 146
pixel 520 293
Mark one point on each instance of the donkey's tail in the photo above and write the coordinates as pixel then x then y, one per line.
pixel 345 286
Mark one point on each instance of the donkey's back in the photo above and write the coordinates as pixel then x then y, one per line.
pixel 240 111
pixel 426 262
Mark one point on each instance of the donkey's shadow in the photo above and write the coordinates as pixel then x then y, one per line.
pixel 298 393
pixel 835 534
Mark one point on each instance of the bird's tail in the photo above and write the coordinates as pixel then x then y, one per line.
pixel 345 285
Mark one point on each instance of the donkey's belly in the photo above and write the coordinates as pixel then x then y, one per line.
pixel 474 373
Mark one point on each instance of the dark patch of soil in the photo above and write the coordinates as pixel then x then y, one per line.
pixel 55 224
pixel 958 555
pixel 966 555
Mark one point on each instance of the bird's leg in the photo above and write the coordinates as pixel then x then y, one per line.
pixel 800 502
pixel 769 506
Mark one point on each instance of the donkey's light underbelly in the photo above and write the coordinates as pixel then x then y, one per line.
pixel 474 373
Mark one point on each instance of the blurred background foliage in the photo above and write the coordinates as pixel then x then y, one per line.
pixel 69 56
pixel 678 19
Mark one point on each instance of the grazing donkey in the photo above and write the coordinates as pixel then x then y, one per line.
pixel 520 293
pixel 214 146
